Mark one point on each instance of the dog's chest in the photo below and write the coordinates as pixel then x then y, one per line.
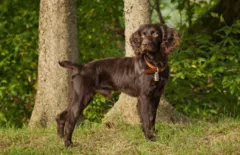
pixel 157 86
pixel 161 82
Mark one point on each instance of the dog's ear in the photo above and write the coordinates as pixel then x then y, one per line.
pixel 70 65
pixel 170 39
pixel 135 41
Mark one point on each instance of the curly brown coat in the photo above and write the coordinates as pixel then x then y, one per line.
pixel 143 76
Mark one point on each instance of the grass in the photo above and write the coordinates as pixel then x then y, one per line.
pixel 198 137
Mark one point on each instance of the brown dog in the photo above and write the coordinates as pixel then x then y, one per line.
pixel 143 76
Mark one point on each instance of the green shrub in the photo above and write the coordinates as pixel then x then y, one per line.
pixel 99 106
pixel 97 21
pixel 18 65
pixel 19 57
pixel 206 75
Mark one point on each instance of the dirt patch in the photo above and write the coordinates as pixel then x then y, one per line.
pixel 232 136
pixel 4 145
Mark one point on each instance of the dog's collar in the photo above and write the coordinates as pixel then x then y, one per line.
pixel 153 69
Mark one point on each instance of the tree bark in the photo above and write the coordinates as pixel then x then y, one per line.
pixel 57 41
pixel 136 12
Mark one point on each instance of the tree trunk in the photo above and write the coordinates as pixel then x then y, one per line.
pixel 57 41
pixel 136 12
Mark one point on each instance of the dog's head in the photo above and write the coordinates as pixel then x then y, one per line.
pixel 154 39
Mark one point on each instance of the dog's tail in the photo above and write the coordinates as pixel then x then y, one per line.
pixel 70 65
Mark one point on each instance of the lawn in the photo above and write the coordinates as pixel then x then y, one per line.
pixel 198 137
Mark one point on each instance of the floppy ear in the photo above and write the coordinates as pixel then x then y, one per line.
pixel 70 65
pixel 170 39
pixel 135 41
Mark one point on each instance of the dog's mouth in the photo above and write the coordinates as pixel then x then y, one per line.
pixel 149 54
pixel 148 50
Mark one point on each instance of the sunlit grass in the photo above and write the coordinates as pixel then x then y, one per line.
pixel 198 137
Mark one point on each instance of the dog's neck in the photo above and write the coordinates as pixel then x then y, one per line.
pixel 151 69
pixel 159 61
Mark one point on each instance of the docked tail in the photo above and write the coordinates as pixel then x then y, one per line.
pixel 70 65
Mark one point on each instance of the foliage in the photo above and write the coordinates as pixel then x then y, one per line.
pixel 18 51
pixel 181 14
pixel 18 55
pixel 99 107
pixel 206 75
pixel 205 68
pixel 98 23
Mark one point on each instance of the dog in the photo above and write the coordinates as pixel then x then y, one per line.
pixel 144 76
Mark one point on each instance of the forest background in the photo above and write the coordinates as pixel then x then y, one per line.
pixel 205 73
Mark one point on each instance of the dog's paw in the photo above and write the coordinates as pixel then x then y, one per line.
pixel 151 138
pixel 60 130
pixel 60 133
pixel 155 131
pixel 68 144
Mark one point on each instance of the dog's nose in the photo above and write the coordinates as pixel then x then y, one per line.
pixel 145 42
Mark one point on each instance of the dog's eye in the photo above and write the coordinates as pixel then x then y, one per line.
pixel 155 35
pixel 143 34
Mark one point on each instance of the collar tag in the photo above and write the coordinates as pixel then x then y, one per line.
pixel 156 75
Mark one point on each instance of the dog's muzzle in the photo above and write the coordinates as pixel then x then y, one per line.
pixel 147 46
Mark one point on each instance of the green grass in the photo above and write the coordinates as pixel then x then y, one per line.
pixel 198 137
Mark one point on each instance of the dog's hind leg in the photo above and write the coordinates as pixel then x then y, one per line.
pixel 74 111
pixel 60 119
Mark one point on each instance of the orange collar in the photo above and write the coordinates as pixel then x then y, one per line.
pixel 153 69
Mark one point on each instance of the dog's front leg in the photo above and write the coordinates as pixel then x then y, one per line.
pixel 153 112
pixel 147 112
